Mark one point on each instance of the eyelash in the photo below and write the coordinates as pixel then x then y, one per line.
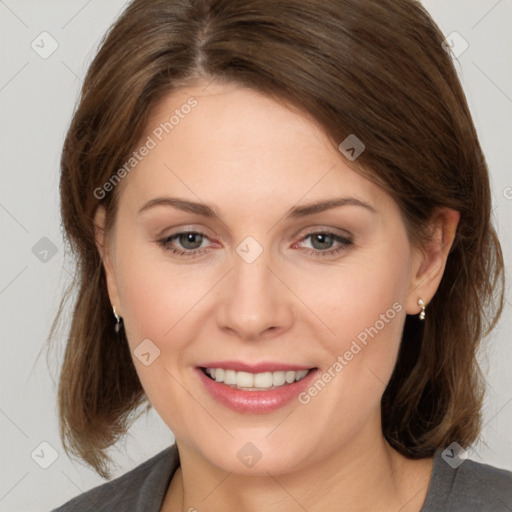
pixel 344 242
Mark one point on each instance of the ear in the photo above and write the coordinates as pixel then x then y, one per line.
pixel 429 261
pixel 106 255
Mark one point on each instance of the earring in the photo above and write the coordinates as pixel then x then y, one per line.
pixel 117 327
pixel 421 304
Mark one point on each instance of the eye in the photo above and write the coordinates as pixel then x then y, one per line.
pixel 325 243
pixel 185 243
pixel 193 243
pixel 321 241
pixel 190 240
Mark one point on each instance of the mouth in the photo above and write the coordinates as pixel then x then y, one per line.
pixel 250 381
pixel 254 388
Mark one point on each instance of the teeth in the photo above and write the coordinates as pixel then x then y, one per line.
pixel 278 378
pixel 230 377
pixel 244 380
pixel 255 381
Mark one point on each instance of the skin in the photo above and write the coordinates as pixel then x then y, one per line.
pixel 252 159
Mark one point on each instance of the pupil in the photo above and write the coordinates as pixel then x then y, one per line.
pixel 191 240
pixel 325 241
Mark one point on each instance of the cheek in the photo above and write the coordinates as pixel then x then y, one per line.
pixel 160 304
pixel 360 298
pixel 362 303
pixel 154 293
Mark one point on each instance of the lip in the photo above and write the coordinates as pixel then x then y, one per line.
pixel 255 402
pixel 239 366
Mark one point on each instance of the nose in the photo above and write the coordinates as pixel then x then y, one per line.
pixel 254 304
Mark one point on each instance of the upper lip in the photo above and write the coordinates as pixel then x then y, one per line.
pixel 270 366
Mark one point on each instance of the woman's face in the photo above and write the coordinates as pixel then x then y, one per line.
pixel 219 258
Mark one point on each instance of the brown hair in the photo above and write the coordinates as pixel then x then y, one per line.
pixel 373 68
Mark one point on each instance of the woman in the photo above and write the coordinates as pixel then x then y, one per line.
pixel 281 216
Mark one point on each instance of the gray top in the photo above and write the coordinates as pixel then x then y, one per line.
pixel 472 487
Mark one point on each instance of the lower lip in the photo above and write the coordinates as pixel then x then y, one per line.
pixel 256 402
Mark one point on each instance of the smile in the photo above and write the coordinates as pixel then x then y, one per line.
pixel 254 381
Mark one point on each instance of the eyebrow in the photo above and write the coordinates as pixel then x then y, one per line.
pixel 321 206
pixel 181 204
pixel 294 212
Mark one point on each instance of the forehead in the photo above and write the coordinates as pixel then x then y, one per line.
pixel 233 145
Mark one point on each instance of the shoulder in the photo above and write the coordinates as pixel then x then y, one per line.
pixel 468 486
pixel 141 489
pixel 484 485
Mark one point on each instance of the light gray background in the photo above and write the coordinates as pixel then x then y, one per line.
pixel 37 98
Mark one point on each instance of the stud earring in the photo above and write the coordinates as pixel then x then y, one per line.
pixel 421 304
pixel 117 327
